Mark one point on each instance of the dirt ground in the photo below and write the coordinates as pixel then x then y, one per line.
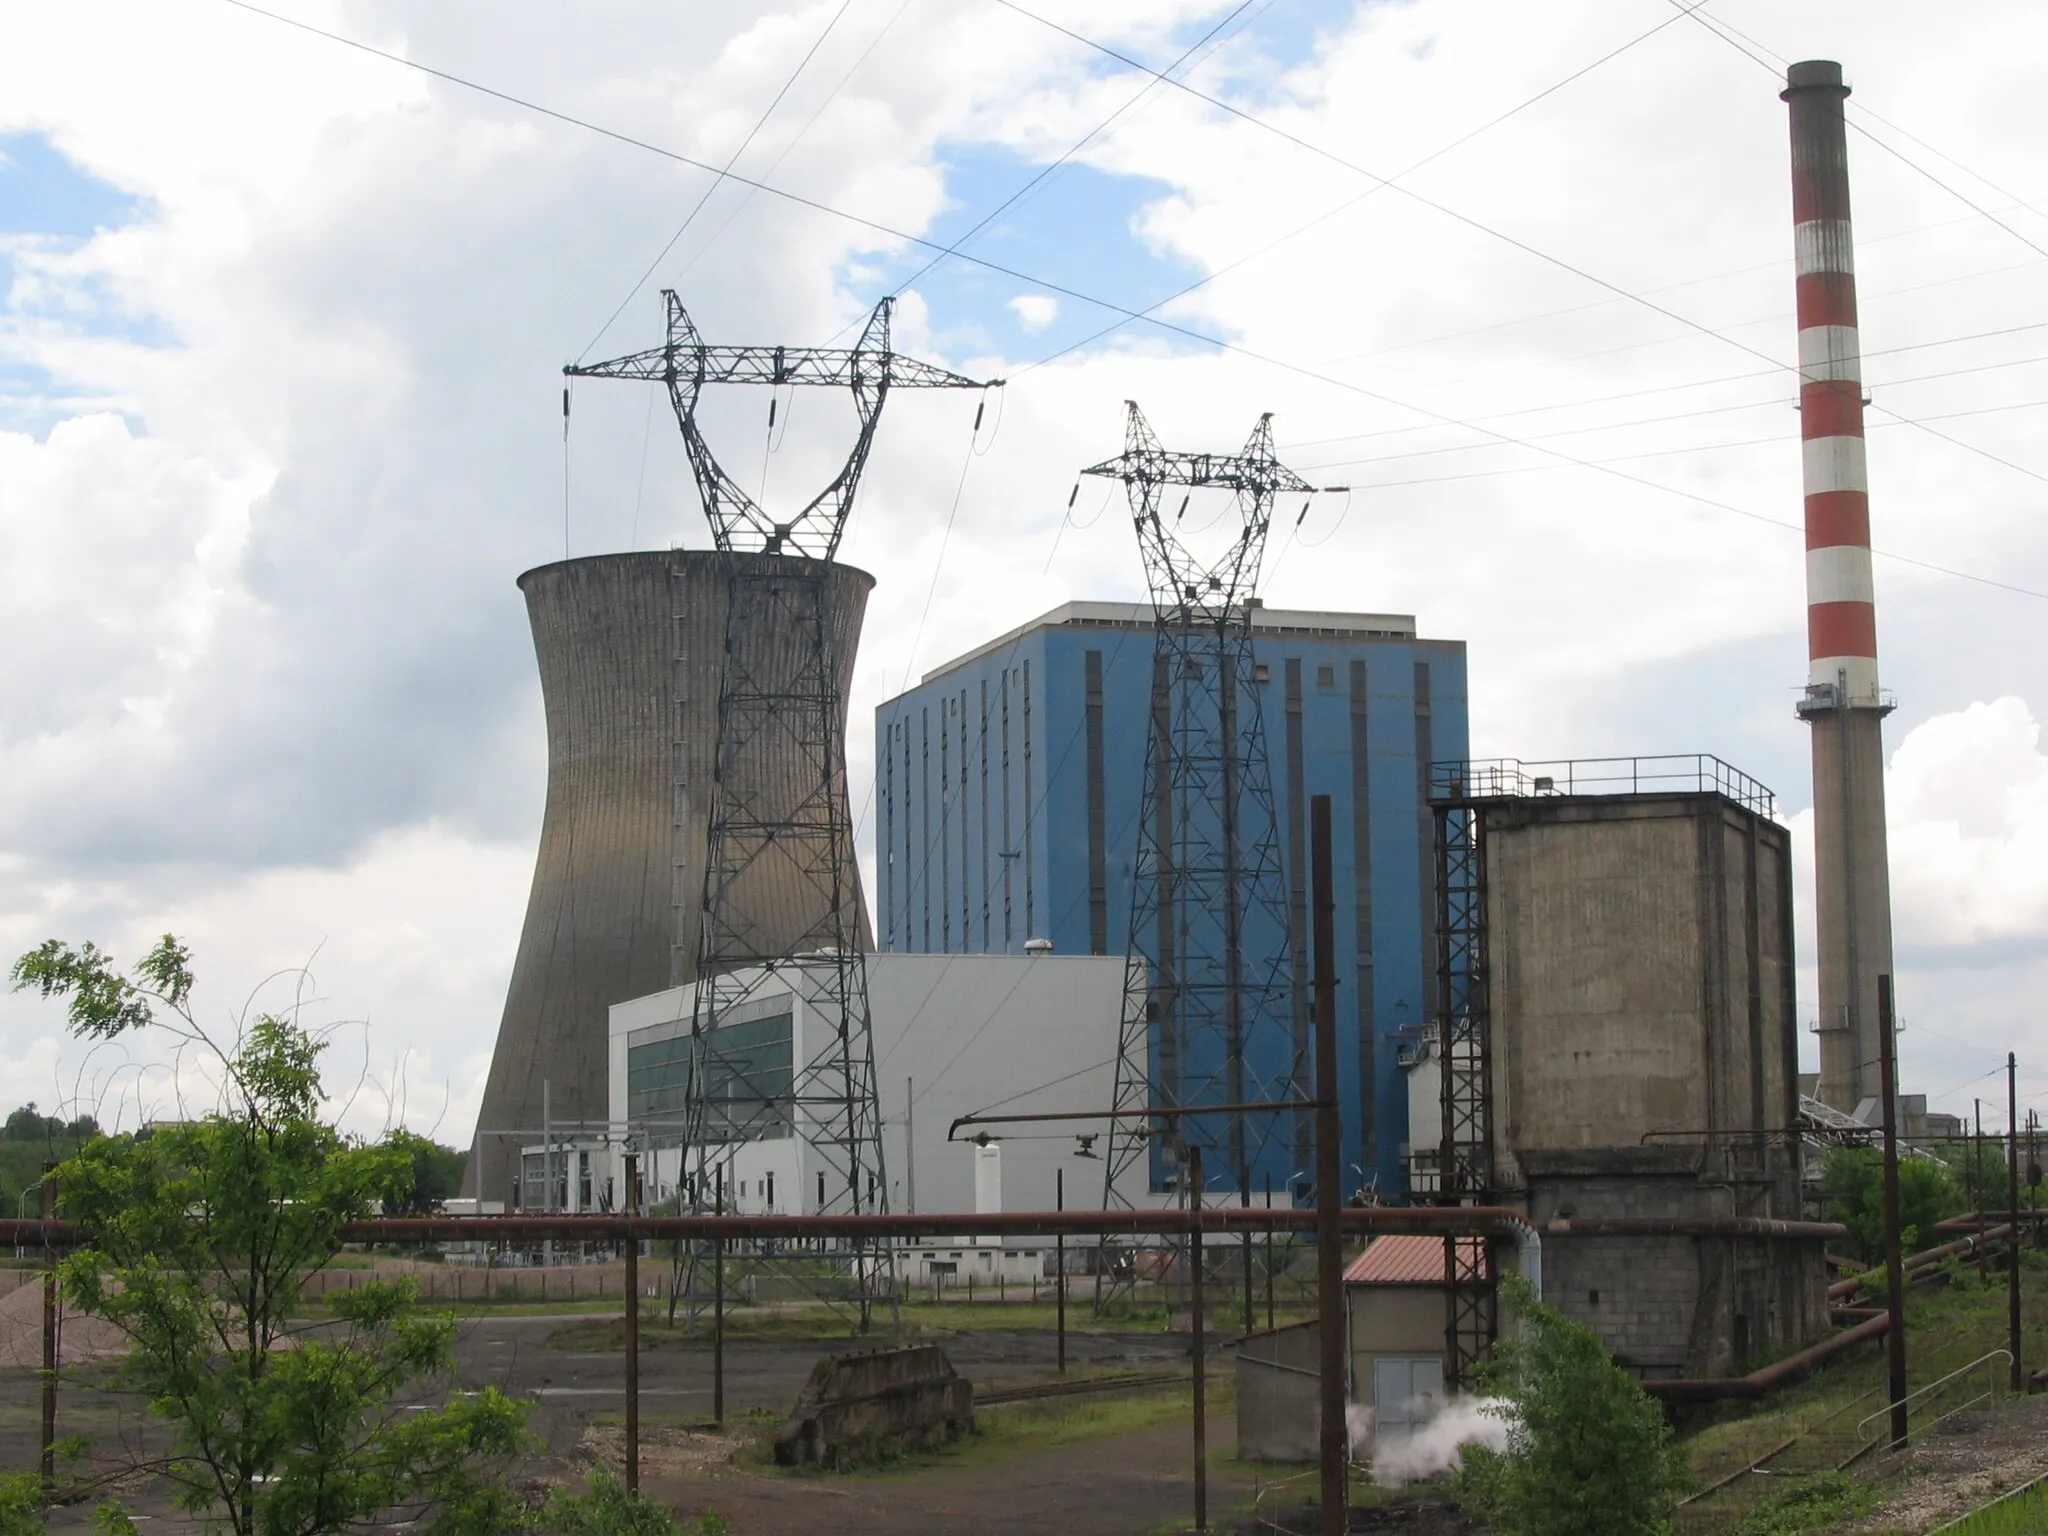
pixel 1122 1486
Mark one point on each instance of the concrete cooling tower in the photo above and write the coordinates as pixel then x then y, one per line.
pixel 631 650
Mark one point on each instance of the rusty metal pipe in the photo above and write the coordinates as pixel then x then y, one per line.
pixel 1780 1373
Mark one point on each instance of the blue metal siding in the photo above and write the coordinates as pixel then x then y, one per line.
pixel 1049 824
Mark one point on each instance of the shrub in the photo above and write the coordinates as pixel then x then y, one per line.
pixel 1588 1449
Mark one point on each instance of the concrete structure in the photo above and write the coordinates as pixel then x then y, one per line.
pixel 860 1408
pixel 954 1034
pixel 1843 702
pixel 1008 785
pixel 1637 969
pixel 630 649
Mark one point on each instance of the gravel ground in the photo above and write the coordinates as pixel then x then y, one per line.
pixel 1969 1460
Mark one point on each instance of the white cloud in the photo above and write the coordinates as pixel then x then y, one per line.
pixel 1035 311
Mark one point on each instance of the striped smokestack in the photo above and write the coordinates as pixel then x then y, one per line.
pixel 1842 702
pixel 1841 617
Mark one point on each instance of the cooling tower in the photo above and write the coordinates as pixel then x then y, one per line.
pixel 631 650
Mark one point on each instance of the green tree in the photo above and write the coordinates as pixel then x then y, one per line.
pixel 1588 1450
pixel 430 1176
pixel 1852 1192
pixel 199 1240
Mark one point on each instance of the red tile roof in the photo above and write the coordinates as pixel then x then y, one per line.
pixel 1397 1259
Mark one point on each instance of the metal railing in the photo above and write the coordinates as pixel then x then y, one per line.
pixel 1511 778
pixel 1991 1391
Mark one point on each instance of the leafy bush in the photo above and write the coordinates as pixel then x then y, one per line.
pixel 1852 1192
pixel 21 1499
pixel 1588 1449
pixel 609 1510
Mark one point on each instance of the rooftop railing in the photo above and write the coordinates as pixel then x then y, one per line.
pixel 1686 773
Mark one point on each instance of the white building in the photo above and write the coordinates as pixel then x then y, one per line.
pixel 953 1035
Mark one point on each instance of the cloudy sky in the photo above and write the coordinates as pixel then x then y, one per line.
pixel 280 417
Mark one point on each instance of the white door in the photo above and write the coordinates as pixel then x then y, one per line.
pixel 1406 1392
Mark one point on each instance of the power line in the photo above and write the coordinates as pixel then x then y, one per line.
pixel 1704 411
pixel 1754 51
pixel 1349 203
pixel 1074 149
pixel 1466 219
pixel 1154 320
pixel 718 180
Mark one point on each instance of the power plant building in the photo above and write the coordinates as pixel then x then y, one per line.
pixel 954 1034
pixel 1008 789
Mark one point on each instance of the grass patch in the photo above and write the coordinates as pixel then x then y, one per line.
pixel 2021 1514
pixel 1810 1507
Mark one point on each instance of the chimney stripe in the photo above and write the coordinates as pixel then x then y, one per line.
pixel 1823 245
pixel 1830 352
pixel 1826 298
pixel 1839 574
pixel 1837 517
pixel 1834 464
pixel 1840 629
pixel 1831 410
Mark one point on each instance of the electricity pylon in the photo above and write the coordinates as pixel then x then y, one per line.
pixel 779 900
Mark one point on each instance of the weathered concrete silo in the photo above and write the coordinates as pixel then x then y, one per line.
pixel 631 650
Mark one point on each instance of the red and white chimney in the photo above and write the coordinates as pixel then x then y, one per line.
pixel 1841 616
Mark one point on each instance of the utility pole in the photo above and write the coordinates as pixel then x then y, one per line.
pixel 2012 1205
pixel 49 1372
pixel 632 1326
pixel 1059 1264
pixel 1894 1260
pixel 1336 1492
pixel 1197 1301
pixel 909 1146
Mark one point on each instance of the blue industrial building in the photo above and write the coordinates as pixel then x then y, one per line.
pixel 1008 787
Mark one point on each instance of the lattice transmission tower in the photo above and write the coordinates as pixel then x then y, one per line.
pixel 778 893
pixel 1207 1013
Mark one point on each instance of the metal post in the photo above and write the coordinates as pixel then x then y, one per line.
pixel 2012 1205
pixel 1894 1260
pixel 547 1174
pixel 1195 1299
pixel 1269 1254
pixel 1978 1203
pixel 1244 1199
pixel 632 1328
pixel 1329 1242
pixel 909 1147
pixel 49 1373
pixel 718 1311
pixel 1059 1262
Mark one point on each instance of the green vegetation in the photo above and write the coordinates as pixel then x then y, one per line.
pixel 1852 1192
pixel 199 1239
pixel 1588 1449
pixel 432 1175
pixel 1810 1507
pixel 609 1510
pixel 2021 1514
pixel 27 1142
pixel 21 1499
